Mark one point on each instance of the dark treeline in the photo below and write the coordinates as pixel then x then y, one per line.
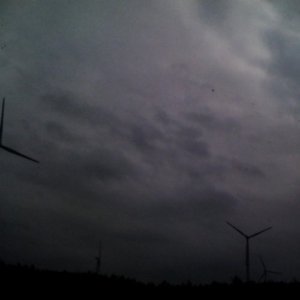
pixel 23 279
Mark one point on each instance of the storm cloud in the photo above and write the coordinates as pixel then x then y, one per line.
pixel 155 122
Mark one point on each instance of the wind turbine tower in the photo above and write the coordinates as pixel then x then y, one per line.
pixel 247 238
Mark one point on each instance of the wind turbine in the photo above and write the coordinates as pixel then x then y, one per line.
pixel 98 259
pixel 264 275
pixel 1 135
pixel 248 237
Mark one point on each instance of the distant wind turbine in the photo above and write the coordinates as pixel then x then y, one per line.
pixel 264 275
pixel 248 237
pixel 1 136
pixel 99 259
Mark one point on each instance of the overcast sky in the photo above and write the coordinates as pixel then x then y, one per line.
pixel 155 121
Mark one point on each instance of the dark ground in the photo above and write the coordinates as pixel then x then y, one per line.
pixel 19 280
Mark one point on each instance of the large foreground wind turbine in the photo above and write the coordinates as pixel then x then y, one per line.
pixel 1 135
pixel 248 237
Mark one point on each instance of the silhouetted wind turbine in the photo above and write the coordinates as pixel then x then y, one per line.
pixel 248 237
pixel 1 136
pixel 264 275
pixel 98 259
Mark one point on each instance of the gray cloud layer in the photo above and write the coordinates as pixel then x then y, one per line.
pixel 155 121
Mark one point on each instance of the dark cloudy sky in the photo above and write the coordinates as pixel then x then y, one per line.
pixel 155 122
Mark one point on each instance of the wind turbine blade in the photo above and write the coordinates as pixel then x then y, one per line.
pixel 238 230
pixel 100 250
pixel 261 277
pixel 259 232
pixel 262 263
pixel 2 120
pixel 18 153
pixel 274 272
